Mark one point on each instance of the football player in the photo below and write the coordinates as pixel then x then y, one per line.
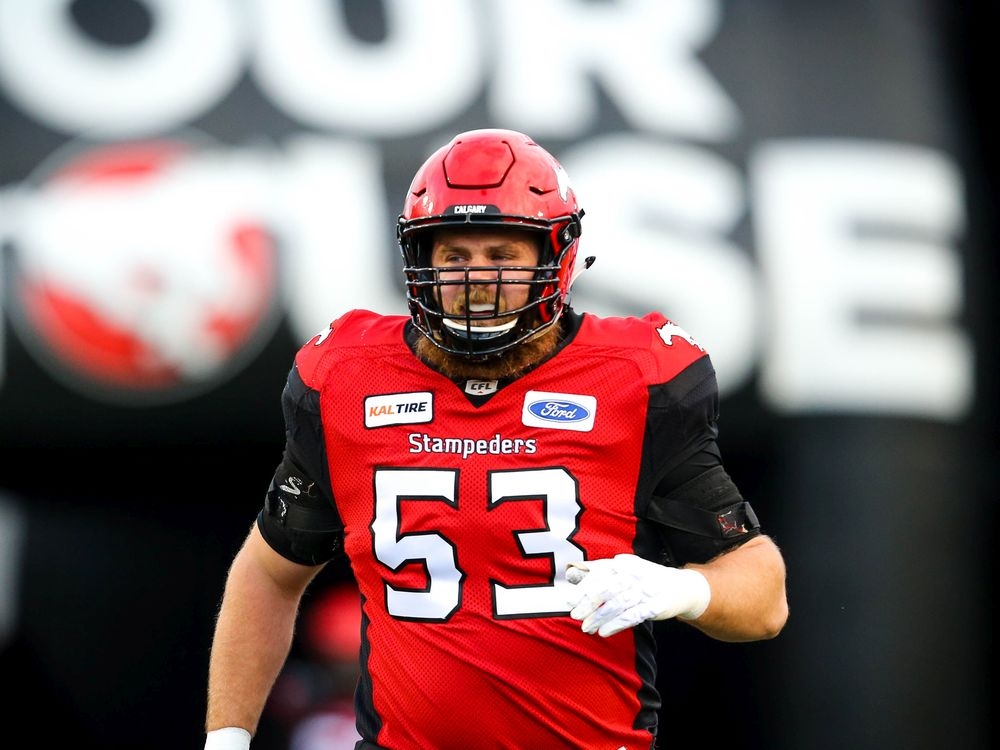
pixel 519 489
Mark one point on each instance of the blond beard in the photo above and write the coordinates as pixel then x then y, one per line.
pixel 508 364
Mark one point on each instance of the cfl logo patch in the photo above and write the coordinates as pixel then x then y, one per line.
pixel 480 387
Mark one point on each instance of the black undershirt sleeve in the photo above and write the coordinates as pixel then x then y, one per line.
pixel 299 518
pixel 696 510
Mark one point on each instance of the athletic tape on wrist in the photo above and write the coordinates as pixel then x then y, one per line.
pixel 228 738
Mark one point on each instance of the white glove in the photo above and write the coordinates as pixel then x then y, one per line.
pixel 618 593
pixel 228 738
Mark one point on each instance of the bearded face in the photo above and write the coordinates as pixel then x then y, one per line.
pixel 477 260
pixel 506 365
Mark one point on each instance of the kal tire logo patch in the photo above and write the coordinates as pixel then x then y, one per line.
pixel 399 408
pixel 559 411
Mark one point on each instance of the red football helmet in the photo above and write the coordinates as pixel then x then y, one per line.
pixel 489 178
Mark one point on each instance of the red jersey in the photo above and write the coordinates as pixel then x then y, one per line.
pixel 462 503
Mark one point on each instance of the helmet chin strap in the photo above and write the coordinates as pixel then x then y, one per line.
pixel 587 263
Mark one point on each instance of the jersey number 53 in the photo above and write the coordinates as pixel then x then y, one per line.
pixel 441 598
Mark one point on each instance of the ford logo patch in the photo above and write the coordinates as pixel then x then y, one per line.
pixel 558 411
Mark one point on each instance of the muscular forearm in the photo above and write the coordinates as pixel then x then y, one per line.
pixel 252 639
pixel 748 600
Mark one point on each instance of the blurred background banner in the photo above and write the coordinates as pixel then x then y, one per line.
pixel 190 189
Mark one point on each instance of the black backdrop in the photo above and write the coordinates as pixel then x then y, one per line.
pixel 120 521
